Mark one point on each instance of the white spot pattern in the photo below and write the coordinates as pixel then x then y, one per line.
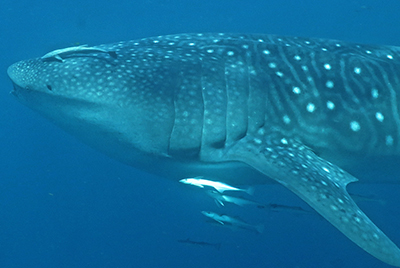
pixel 389 140
pixel 355 126
pixel 330 105
pixel 375 93
pixel 286 119
pixel 357 70
pixel 310 107
pixel 329 84
pixel 296 90
pixel 272 65
pixel 379 117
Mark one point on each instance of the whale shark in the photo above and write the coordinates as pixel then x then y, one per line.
pixel 242 109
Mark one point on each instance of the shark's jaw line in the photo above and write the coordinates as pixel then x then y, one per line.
pixel 237 108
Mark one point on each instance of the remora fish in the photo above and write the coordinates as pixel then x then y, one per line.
pixel 219 186
pixel 200 243
pixel 232 222
pixel 221 199
pixel 84 49
pixel 367 198
pixel 241 108
pixel 291 209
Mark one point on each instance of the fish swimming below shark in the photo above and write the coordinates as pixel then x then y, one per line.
pixel 218 186
pixel 221 199
pixel 233 222
pixel 284 208
pixel 241 108
pixel 200 243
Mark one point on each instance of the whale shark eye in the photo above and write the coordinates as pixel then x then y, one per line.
pixel 49 87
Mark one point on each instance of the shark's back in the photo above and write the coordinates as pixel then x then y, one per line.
pixel 204 92
pixel 335 97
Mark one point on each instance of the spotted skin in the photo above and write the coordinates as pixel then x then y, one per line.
pixel 295 110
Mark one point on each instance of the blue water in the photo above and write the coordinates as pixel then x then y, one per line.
pixel 63 204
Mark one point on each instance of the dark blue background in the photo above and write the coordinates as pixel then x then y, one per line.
pixel 63 204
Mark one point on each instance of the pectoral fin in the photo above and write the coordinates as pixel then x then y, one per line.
pixel 321 184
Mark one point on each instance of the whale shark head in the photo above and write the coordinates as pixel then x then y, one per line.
pixel 98 93
pixel 121 99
